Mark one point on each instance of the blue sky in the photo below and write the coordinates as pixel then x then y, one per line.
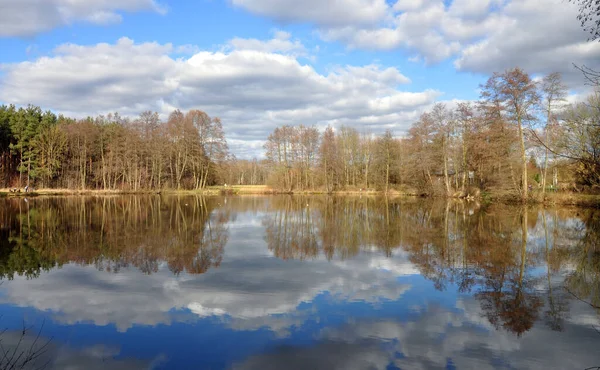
pixel 257 64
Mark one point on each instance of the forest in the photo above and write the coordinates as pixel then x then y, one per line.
pixel 520 137
pixel 40 149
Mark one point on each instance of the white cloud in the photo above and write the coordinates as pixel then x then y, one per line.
pixel 281 43
pixel 320 12
pixel 254 86
pixel 418 29
pixel 482 36
pixel 30 17
pixel 541 37
pixel 472 8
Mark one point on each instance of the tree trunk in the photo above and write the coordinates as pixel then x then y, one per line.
pixel 387 172
pixel 464 165
pixel 445 158
pixel 545 172
pixel 523 161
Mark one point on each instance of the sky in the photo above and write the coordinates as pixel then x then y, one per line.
pixel 258 64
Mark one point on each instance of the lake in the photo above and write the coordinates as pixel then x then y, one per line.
pixel 290 282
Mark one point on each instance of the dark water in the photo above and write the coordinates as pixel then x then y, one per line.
pixel 286 283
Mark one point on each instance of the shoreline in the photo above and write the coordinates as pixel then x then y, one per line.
pixel 550 199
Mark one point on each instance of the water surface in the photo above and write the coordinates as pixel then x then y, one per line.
pixel 281 282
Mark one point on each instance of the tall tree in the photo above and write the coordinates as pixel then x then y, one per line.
pixel 183 137
pixel 516 94
pixel 443 121
pixel 423 160
pixel 51 144
pixel 554 92
pixel 6 137
pixel 579 139
pixel 329 157
pixel 386 157
pixel 465 116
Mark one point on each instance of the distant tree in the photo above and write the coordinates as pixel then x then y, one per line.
pixel 465 117
pixel 309 149
pixel 328 154
pixel 554 92
pixel 23 125
pixel 515 94
pixel 579 139
pixel 386 156
pixel 366 154
pixel 6 138
pixel 81 139
pixel 182 139
pixel 51 144
pixel 349 147
pixel 423 160
pixel 443 121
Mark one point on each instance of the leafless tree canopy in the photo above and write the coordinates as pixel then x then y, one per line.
pixel 589 16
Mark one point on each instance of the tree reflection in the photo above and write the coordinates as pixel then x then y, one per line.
pixel 111 233
pixel 513 259
pixel 494 252
pixel 584 281
pixel 508 296
pixel 304 227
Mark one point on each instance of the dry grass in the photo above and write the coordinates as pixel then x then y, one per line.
pixel 63 191
pixel 551 198
pixel 559 198
pixel 574 199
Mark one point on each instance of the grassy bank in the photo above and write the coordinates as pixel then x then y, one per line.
pixel 562 198
pixel 213 190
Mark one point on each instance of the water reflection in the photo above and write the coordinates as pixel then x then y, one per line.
pixel 111 234
pixel 323 282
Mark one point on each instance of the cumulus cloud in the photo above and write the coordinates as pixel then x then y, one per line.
pixel 541 37
pixel 482 36
pixel 252 85
pixel 320 12
pixel 281 43
pixel 30 17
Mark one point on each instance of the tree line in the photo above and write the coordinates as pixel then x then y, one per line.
pixel 520 135
pixel 42 149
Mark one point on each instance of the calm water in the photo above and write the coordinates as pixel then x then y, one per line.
pixel 291 282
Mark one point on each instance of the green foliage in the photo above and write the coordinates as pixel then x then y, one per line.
pixel 44 150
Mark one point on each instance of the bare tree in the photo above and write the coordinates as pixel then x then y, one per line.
pixel 443 121
pixel 515 94
pixel 589 16
pixel 329 157
pixel 554 92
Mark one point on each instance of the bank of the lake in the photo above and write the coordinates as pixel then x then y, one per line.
pixel 550 198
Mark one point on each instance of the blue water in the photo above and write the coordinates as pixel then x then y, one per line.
pixel 373 308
